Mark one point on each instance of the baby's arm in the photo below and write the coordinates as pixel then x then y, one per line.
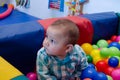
pixel 42 69
pixel 82 62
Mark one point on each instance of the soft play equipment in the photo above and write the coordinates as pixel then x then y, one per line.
pixel 9 72
pixel 19 44
pixel 21 35
pixel 20 38
pixel 84 25
pixel 6 13
pixel 118 14
pixel 105 24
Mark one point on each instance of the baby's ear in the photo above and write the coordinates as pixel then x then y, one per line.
pixel 69 48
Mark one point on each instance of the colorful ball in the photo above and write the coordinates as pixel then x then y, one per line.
pixel 114 51
pixel 109 41
pixel 87 47
pixel 104 52
pixel 118 38
pixel 102 43
pixel 90 65
pixel 95 53
pixel 114 44
pixel 116 74
pixel 87 79
pixel 88 73
pixel 94 46
pixel 32 76
pixel 113 38
pixel 108 70
pixel 113 62
pixel 89 59
pixel 96 59
pixel 101 66
pixel 100 76
pixel 109 77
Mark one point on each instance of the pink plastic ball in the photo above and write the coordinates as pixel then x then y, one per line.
pixel 118 38
pixel 32 76
pixel 116 74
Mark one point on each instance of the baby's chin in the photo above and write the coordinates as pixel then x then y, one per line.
pixel 49 54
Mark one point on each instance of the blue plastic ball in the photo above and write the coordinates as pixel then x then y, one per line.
pixel 90 65
pixel 88 73
pixel 114 44
pixel 113 62
pixel 100 76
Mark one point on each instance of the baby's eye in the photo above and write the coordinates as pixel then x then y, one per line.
pixel 52 41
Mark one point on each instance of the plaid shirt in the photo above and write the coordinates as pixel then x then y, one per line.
pixel 52 68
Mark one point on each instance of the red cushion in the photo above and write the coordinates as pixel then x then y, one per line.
pixel 84 25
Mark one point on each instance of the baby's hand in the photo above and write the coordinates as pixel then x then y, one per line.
pixel 77 78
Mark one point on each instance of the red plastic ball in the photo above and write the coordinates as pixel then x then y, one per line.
pixel 108 70
pixel 113 38
pixel 101 65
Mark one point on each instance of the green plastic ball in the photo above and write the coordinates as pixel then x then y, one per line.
pixel 104 52
pixel 114 51
pixel 94 46
pixel 89 59
pixel 102 43
pixel 109 77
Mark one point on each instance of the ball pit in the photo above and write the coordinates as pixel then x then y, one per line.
pixel 104 60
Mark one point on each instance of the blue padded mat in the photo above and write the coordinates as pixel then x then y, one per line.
pixel 19 44
pixel 16 17
pixel 105 25
pixel 118 14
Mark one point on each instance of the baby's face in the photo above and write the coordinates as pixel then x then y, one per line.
pixel 54 42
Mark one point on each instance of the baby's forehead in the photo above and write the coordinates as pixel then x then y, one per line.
pixel 56 31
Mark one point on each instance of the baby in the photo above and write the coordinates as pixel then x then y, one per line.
pixel 61 58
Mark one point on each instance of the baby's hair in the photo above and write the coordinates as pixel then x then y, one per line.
pixel 70 29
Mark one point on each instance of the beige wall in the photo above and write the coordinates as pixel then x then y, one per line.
pixel 39 8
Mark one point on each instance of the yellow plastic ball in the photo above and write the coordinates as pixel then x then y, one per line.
pixel 87 47
pixel 95 53
pixel 96 59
